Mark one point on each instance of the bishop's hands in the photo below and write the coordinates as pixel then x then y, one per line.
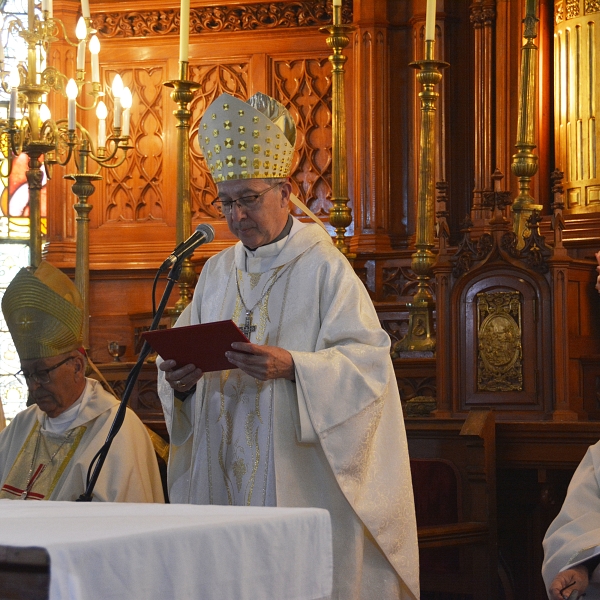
pixel 566 582
pixel 181 379
pixel 262 362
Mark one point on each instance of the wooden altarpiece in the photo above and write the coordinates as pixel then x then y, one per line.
pixel 502 319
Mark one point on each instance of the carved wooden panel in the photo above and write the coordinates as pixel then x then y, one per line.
pixel 134 190
pixel 215 19
pixel 222 77
pixel 520 334
pixel 390 279
pixel 304 86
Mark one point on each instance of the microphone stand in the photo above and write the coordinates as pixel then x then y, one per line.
pixel 100 456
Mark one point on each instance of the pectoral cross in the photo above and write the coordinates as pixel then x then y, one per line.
pixel 248 328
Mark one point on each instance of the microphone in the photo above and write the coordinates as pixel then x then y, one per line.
pixel 203 235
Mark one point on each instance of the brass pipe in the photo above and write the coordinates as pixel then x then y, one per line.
pixel 340 215
pixel 524 164
pixel 182 95
pixel 420 336
pixel 83 189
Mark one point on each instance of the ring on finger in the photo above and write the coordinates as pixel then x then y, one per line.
pixel 178 383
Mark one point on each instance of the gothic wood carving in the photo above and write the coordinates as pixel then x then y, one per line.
pixel 304 87
pixel 134 190
pixel 272 15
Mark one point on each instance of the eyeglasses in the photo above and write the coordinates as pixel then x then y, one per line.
pixel 249 203
pixel 43 376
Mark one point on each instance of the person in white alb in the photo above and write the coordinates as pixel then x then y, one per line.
pixel 309 414
pixel 576 528
pixel 46 449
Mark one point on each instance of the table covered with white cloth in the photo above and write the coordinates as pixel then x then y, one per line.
pixel 151 551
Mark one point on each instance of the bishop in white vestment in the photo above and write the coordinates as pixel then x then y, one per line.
pixel 46 450
pixel 312 416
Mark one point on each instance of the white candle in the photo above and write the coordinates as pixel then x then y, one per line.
pixel 14 81
pixel 101 113
pixel 94 50
pixel 126 101
pixel 14 98
pixel 117 90
pixel 47 6
pixel 72 91
pixel 126 119
pixel 184 31
pixel 85 8
pixel 81 34
pixel 81 56
pixel 430 20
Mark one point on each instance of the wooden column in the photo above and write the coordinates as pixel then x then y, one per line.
pixel 483 15
pixel 371 208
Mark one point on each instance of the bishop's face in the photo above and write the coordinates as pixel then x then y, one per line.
pixel 55 383
pixel 258 222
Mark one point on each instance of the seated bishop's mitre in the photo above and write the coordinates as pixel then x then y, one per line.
pixel 44 313
pixel 247 140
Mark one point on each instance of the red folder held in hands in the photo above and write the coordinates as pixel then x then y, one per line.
pixel 202 345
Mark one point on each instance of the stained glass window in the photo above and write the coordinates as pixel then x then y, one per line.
pixel 14 217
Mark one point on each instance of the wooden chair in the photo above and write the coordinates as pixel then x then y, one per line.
pixel 454 481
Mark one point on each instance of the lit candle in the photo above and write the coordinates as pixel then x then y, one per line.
pixel 430 21
pixel 81 33
pixel 117 90
pixel 72 92
pixel 45 114
pixel 184 30
pixel 126 102
pixel 14 81
pixel 95 50
pixel 101 113
pixel 85 8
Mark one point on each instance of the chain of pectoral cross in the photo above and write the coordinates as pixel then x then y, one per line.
pixel 247 328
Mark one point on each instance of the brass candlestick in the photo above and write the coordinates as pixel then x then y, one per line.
pixel 524 164
pixel 182 95
pixel 420 336
pixel 340 215
pixel 83 189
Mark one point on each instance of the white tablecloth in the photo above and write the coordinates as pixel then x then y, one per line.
pixel 175 552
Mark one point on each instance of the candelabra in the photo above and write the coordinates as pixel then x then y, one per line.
pixel 59 140
pixel 182 95
pixel 340 215
pixel 524 164
pixel 420 336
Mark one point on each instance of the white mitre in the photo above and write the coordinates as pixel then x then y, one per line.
pixel 247 140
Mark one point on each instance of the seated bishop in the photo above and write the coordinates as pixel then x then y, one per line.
pixel 46 450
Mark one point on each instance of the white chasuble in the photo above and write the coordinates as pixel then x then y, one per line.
pixel 57 463
pixel 334 438
pixel 40 463
pixel 577 526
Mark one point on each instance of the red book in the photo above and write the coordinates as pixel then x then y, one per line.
pixel 202 345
